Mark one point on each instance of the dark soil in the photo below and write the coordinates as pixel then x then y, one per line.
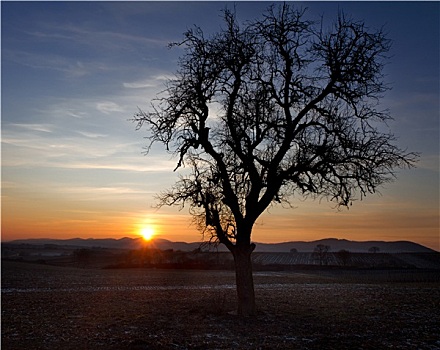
pixel 48 307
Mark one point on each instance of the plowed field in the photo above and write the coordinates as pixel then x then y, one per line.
pixel 48 307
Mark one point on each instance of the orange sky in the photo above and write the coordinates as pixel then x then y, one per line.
pixel 376 218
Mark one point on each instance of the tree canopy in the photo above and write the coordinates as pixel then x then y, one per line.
pixel 274 108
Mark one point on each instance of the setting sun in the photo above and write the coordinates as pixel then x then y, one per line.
pixel 147 233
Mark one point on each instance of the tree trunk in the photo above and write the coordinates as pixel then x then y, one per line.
pixel 244 280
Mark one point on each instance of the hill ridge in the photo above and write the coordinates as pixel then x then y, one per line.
pixel 335 244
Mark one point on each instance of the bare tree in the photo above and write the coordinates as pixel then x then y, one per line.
pixel 267 110
pixel 374 250
pixel 321 253
pixel 344 256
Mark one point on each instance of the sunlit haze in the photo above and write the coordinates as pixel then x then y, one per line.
pixel 74 73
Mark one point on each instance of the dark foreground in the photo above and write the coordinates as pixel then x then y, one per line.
pixel 48 307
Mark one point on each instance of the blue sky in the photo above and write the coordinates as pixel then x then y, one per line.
pixel 73 73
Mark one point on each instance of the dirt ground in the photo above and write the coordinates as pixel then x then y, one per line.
pixel 48 307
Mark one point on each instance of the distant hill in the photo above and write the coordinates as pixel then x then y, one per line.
pixel 352 246
pixel 123 243
pixel 111 243
pixel 301 246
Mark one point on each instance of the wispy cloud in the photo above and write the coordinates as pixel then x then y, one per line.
pixel 95 191
pixel 108 107
pixel 429 162
pixel 92 37
pixel 139 84
pixel 34 127
pixel 91 134
pixel 70 67
pixel 155 166
pixel 86 151
pixel 154 81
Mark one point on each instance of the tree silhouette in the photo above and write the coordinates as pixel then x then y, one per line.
pixel 267 110
pixel 345 256
pixel 321 253
pixel 374 249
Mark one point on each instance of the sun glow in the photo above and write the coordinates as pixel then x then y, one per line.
pixel 147 233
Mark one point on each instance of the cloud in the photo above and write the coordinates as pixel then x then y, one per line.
pixel 88 150
pixel 108 107
pixel 154 81
pixel 429 162
pixel 154 165
pixel 34 127
pixel 138 85
pixel 102 191
pixel 87 36
pixel 68 66
pixel 165 77
pixel 91 134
